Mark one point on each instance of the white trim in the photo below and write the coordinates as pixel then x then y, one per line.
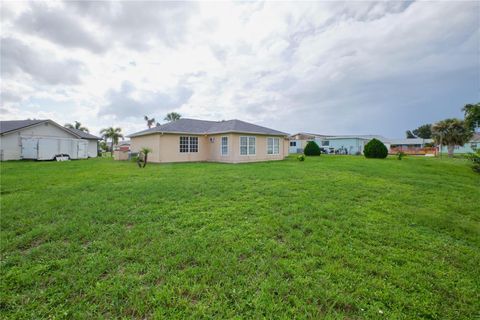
pixel 248 145
pixel 221 146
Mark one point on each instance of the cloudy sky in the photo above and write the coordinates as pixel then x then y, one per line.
pixel 323 67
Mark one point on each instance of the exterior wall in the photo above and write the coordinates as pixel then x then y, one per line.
pixel 215 146
pixel 10 144
pixel 151 141
pixel 299 147
pixel 170 149
pixel 10 147
pixel 260 149
pixel 166 148
pixel 92 148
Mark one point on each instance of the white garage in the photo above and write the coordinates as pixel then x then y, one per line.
pixel 44 140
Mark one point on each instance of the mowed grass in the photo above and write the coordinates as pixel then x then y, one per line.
pixel 335 237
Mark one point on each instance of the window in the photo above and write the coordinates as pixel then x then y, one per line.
pixel 473 146
pixel 188 144
pixel 273 145
pixel 224 147
pixel 293 143
pixel 193 144
pixel 247 146
pixel 183 144
pixel 325 143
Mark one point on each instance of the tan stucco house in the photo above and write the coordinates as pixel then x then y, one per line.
pixel 232 141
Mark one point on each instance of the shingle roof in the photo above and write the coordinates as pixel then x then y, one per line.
pixel 193 126
pixel 12 125
pixel 83 134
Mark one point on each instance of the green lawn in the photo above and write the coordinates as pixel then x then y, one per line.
pixel 335 237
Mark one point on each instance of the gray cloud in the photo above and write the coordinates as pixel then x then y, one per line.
pixel 121 104
pixel 139 25
pixel 17 57
pixel 59 26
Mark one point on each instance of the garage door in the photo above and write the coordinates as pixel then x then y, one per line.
pixel 29 148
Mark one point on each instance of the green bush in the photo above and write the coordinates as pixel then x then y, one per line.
pixel 400 155
pixel 375 149
pixel 312 149
pixel 475 158
pixel 301 157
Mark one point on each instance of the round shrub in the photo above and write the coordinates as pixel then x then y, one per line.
pixel 375 149
pixel 301 157
pixel 312 149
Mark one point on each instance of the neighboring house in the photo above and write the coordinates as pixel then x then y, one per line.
pixel 470 146
pixel 344 144
pixel 347 144
pixel 121 150
pixel 230 141
pixel 414 146
pixel 299 140
pixel 43 140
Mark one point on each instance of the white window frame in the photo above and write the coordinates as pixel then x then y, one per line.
pixel 273 139
pixel 221 146
pixel 248 145
pixel 188 145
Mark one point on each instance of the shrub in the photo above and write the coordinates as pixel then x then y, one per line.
pixel 375 149
pixel 312 149
pixel 475 158
pixel 301 157
pixel 400 155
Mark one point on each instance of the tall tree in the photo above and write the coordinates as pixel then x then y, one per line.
pixel 451 132
pixel 172 116
pixel 150 122
pixel 424 131
pixel 409 134
pixel 114 134
pixel 472 115
pixel 77 126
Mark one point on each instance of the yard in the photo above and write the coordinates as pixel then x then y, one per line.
pixel 332 237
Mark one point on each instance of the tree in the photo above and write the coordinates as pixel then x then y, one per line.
pixel 77 126
pixel 113 134
pixel 150 122
pixel 312 149
pixel 409 134
pixel 472 115
pixel 451 132
pixel 143 157
pixel 424 131
pixel 172 116
pixel 375 149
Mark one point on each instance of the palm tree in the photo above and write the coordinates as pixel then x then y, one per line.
pixel 77 126
pixel 172 116
pixel 150 122
pixel 451 132
pixel 143 157
pixel 113 134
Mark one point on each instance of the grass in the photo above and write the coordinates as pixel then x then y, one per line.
pixel 335 237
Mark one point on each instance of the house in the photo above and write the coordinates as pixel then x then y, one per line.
pixel 414 146
pixel 343 144
pixel 469 147
pixel 44 140
pixel 231 141
pixel 121 150
pixel 298 141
